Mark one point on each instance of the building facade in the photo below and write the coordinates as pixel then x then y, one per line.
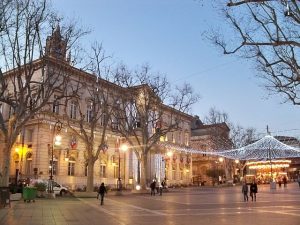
pixel 210 138
pixel 37 155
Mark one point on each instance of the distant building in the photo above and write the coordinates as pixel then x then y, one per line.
pixel 208 138
pixel 294 169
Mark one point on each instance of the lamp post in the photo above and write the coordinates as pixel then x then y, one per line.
pixel 123 148
pixel 56 140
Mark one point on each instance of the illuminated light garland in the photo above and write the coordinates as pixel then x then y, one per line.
pixel 275 164
pixel 267 148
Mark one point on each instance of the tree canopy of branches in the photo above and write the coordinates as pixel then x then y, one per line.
pixel 149 110
pixel 239 136
pixel 94 116
pixel 26 84
pixel 266 31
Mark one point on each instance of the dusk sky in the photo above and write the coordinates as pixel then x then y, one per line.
pixel 167 34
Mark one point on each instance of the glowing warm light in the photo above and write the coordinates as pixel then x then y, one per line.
pixel 57 140
pixel 268 165
pixel 187 170
pixel 236 161
pixel 169 153
pixel 21 149
pixel 124 147
pixel 221 159
pixel 138 187
pixel 274 166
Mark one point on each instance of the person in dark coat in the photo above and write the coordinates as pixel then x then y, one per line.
pixel 245 191
pixel 153 187
pixel 284 180
pixel 102 191
pixel 253 190
pixel 163 184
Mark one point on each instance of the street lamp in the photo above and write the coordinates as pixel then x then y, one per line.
pixel 56 141
pixel 123 148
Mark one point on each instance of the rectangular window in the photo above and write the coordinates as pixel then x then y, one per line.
pixel 73 109
pixel 116 172
pixel 28 166
pixel 55 107
pixel 114 124
pixel 54 167
pixel 71 169
pixel 102 120
pixel 173 137
pixel 89 114
pixel 30 135
pixel 187 175
pixel 186 139
pixel 179 137
pixel 181 174
pixel 173 174
pixel 102 170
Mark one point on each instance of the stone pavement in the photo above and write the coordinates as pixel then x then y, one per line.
pixel 200 205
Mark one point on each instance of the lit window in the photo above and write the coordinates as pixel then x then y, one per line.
pixel 54 167
pixel 71 169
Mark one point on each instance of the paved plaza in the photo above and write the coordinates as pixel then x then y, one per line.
pixel 187 206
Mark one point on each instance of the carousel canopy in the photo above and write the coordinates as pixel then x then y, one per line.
pixel 267 148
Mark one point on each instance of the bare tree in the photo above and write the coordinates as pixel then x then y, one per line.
pixel 267 32
pixel 148 111
pixel 94 108
pixel 215 116
pixel 29 80
pixel 238 136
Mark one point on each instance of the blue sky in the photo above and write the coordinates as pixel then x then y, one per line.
pixel 167 34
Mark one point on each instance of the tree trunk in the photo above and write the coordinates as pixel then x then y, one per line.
pixel 144 171
pixel 4 169
pixel 90 176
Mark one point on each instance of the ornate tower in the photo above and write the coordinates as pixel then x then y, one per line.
pixel 56 47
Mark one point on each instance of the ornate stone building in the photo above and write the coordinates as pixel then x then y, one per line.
pixel 36 152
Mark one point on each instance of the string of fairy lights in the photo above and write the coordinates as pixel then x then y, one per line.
pixel 267 148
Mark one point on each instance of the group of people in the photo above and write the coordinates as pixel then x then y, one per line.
pixel 282 180
pixel 102 190
pixel 253 191
pixel 154 188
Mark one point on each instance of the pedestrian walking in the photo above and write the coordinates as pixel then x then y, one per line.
pixel 153 187
pixel 101 192
pixel 279 181
pixel 284 180
pixel 253 190
pixel 298 180
pixel 245 191
pixel 163 184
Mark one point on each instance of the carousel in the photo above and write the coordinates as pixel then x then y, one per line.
pixel 267 171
